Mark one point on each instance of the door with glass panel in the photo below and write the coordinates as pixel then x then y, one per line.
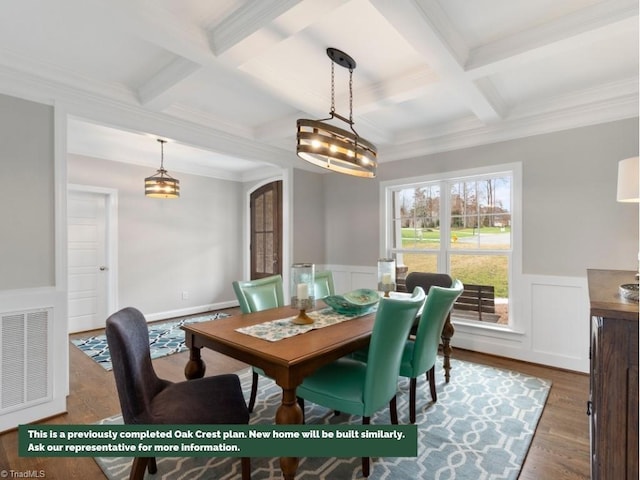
pixel 266 230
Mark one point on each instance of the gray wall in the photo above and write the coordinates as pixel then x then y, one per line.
pixel 352 220
pixel 308 217
pixel 27 240
pixel 571 219
pixel 167 246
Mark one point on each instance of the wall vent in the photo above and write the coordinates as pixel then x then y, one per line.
pixel 24 358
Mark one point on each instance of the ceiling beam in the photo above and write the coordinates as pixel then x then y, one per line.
pixel 582 27
pixel 259 26
pixel 156 92
pixel 160 28
pixel 410 85
pixel 252 17
pixel 246 33
pixel 426 27
pixel 187 42
pixel 367 99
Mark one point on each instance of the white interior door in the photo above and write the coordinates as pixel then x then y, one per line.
pixel 88 270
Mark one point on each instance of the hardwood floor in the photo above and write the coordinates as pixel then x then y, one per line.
pixel 559 451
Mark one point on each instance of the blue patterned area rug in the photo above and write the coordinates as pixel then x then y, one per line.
pixel 480 428
pixel 164 339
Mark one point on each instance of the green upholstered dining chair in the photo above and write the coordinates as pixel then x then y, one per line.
pixel 426 280
pixel 419 355
pixel 260 294
pixel 362 388
pixel 323 284
pixel 255 296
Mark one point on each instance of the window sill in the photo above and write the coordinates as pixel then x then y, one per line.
pixel 475 325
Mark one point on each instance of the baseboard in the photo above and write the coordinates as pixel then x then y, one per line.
pixel 181 312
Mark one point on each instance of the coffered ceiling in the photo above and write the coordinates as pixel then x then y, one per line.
pixel 226 80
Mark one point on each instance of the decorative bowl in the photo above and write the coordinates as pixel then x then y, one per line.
pixel 355 302
pixel 629 291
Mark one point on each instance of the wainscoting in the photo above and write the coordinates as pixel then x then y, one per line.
pixel 549 322
pixel 549 319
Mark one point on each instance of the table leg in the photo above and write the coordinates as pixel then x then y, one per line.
pixel 195 367
pixel 447 334
pixel 289 412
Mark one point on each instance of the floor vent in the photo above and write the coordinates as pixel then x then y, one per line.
pixel 24 358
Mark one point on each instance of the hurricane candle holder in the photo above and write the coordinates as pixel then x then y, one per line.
pixel 386 275
pixel 302 291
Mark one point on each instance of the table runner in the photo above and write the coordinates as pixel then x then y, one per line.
pixel 275 330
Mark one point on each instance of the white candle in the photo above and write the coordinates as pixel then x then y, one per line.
pixel 386 278
pixel 303 291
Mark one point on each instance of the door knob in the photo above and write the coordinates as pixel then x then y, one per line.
pixel 103 268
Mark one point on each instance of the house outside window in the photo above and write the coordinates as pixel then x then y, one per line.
pixel 463 223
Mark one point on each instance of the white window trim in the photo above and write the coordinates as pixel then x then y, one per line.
pixel 516 319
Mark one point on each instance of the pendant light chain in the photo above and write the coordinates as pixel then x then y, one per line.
pixel 161 154
pixel 355 144
pixel 351 96
pixel 333 91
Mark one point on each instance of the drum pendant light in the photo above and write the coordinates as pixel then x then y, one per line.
pixel 162 185
pixel 333 148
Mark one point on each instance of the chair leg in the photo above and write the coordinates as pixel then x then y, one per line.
pixel 245 465
pixel 153 467
pixel 412 399
pixel 393 410
pixel 365 460
pixel 138 468
pixel 254 392
pixel 301 405
pixel 365 466
pixel 432 383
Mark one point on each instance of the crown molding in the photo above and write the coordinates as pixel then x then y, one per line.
pixel 576 116
pixel 129 115
pixel 50 76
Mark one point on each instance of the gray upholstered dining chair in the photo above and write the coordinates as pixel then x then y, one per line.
pixel 147 399
pixel 427 279
pixel 254 296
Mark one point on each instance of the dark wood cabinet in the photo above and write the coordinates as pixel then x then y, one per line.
pixel 613 402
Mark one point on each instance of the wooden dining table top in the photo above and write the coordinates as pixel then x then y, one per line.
pixel 303 352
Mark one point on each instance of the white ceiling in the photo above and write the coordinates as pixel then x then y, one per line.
pixel 225 80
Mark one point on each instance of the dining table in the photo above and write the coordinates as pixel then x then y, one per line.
pixel 286 360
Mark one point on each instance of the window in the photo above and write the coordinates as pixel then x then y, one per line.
pixel 463 224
